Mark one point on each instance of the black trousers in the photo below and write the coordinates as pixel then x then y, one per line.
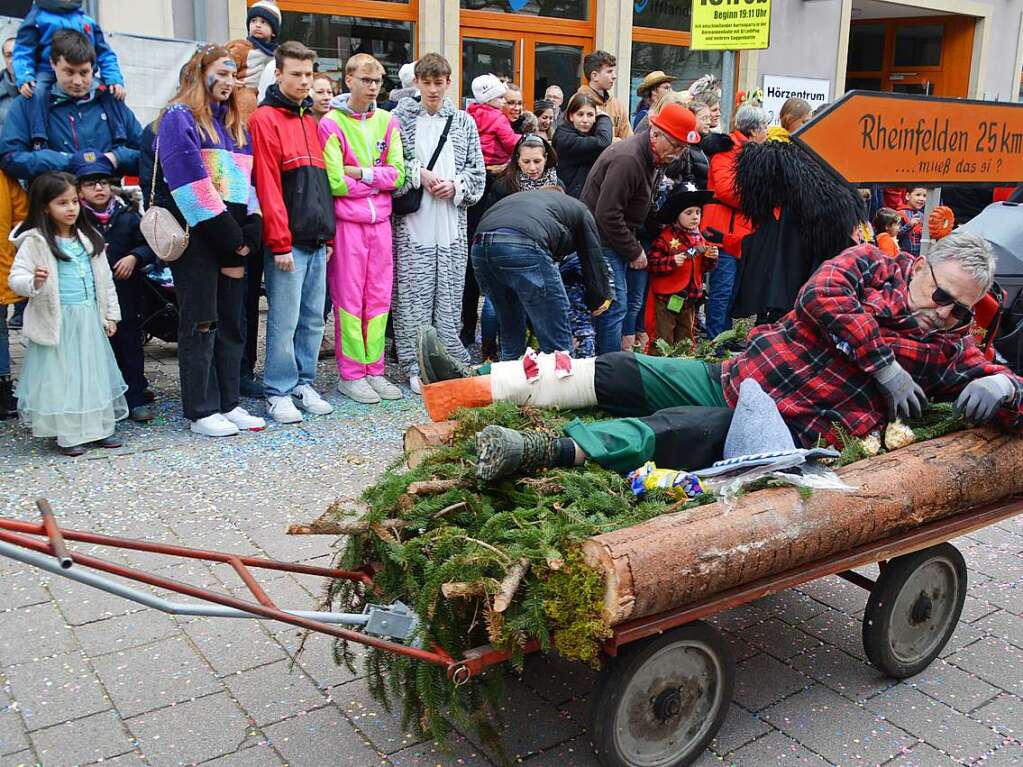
pixel 210 359
pixel 253 290
pixel 128 340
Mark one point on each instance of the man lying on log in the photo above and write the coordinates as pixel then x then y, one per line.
pixel 870 338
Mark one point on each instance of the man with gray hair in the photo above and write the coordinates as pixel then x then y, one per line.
pixel 870 339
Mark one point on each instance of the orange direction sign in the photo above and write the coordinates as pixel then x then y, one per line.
pixel 889 138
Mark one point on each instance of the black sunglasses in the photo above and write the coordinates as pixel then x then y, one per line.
pixel 941 297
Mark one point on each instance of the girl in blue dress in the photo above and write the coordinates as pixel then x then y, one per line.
pixel 70 387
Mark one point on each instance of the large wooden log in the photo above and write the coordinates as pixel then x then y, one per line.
pixel 675 559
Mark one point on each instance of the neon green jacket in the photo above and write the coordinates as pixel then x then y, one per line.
pixel 370 140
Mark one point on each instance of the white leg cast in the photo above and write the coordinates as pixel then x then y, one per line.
pixel 508 384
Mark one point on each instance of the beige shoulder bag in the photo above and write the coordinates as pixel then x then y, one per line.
pixel 162 231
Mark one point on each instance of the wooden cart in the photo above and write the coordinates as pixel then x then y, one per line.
pixel 667 682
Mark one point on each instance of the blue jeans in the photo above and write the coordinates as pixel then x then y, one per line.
pixel 721 296
pixel 636 281
pixel 521 280
pixel 488 322
pixel 609 324
pixel 294 323
pixel 5 349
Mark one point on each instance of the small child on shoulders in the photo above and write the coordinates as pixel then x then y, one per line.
pixel 887 224
pixel 32 45
pixel 912 225
pixel 678 260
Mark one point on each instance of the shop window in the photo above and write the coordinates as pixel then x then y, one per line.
pixel 866 47
pixel 557 9
pixel 336 38
pixel 671 15
pixel 919 45
pixel 685 64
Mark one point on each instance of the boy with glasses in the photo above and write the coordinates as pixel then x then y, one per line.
pixel 362 153
pixel 128 254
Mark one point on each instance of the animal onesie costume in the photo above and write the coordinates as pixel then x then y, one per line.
pixel 431 247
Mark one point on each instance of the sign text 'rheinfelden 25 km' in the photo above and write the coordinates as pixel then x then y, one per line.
pixel 731 25
pixel 872 138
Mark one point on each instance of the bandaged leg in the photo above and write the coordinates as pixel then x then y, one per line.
pixel 508 382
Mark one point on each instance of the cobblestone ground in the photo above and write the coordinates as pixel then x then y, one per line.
pixel 87 678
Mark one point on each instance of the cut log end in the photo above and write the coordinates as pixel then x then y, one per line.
pixel 458 590
pixel 422 439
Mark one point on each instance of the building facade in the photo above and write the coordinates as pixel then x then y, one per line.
pixel 953 48
pixel 956 48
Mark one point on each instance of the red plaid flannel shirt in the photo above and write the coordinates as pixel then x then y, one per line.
pixel 851 318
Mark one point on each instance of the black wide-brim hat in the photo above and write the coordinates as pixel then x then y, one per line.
pixel 682 197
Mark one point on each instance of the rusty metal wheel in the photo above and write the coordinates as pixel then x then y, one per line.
pixel 661 701
pixel 913 609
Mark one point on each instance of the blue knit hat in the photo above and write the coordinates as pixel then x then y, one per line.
pixel 268 11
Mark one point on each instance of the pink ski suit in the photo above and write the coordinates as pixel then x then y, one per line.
pixel 360 273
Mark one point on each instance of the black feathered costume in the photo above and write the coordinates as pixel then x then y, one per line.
pixel 802 216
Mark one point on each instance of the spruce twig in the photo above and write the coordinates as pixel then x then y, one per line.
pixel 510 585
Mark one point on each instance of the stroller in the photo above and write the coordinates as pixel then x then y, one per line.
pixel 159 304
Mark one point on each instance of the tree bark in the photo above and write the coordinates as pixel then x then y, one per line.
pixel 422 439
pixel 678 558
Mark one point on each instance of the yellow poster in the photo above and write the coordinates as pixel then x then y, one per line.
pixel 731 25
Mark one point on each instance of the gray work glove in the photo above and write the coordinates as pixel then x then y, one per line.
pixel 983 396
pixel 905 397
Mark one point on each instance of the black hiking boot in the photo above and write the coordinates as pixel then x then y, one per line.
pixel 435 364
pixel 502 452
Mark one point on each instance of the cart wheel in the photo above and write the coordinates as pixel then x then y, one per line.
pixel 661 701
pixel 913 609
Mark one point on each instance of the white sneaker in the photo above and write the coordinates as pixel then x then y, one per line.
pixel 213 426
pixel 358 390
pixel 415 384
pixel 283 410
pixel 384 388
pixel 241 418
pixel 307 398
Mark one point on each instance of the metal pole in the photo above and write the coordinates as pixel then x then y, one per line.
pixel 199 20
pixel 89 578
pixel 53 533
pixel 727 90
pixel 933 200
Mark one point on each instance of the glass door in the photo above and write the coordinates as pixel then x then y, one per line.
pixel 533 61
pixel 556 64
pixel 486 52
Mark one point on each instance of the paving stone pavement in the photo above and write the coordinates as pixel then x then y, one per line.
pixel 86 678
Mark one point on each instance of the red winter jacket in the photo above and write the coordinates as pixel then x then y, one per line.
pixel 723 213
pixel 291 183
pixel 497 139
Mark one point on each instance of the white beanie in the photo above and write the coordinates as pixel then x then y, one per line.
pixel 487 88
pixel 407 74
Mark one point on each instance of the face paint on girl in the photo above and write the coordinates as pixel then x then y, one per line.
pixel 220 78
